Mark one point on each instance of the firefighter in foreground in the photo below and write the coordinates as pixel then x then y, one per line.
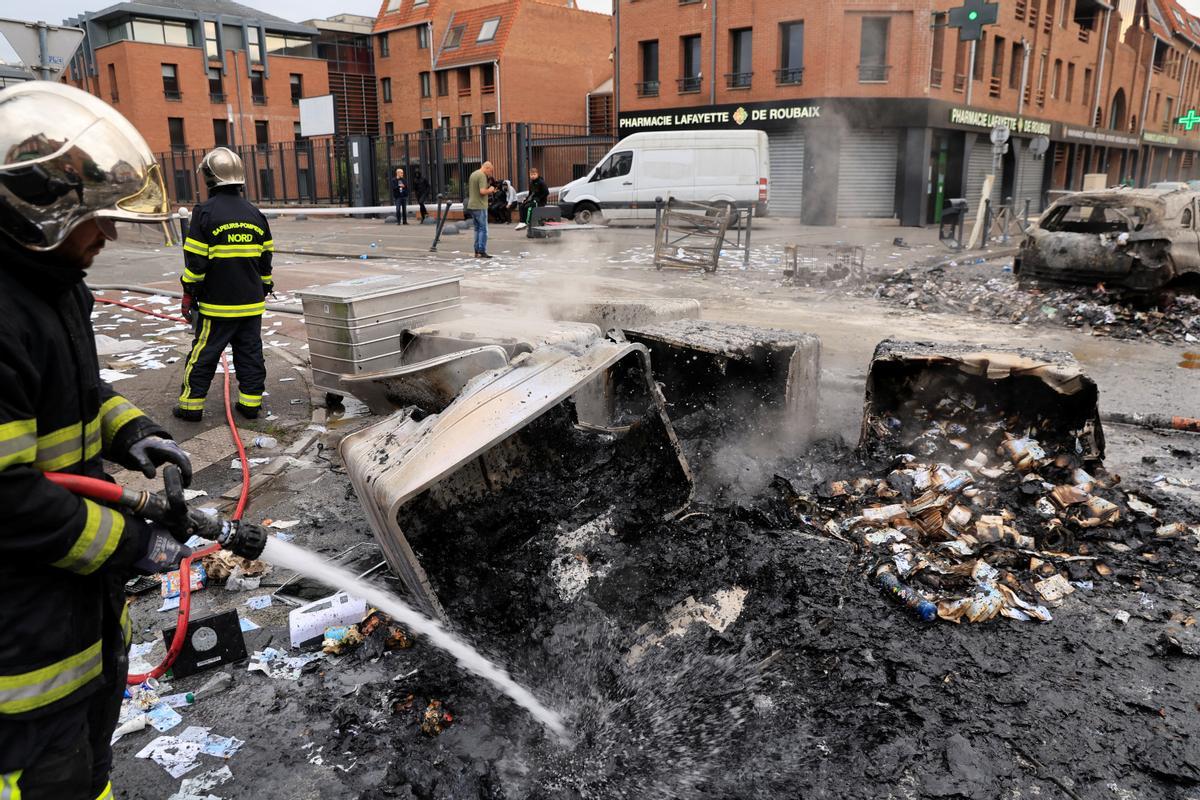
pixel 226 278
pixel 70 167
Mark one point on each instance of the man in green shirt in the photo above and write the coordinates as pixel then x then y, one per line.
pixel 477 205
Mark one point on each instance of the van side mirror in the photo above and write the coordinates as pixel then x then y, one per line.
pixel 595 176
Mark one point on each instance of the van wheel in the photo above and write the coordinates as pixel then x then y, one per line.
pixel 587 214
pixel 721 207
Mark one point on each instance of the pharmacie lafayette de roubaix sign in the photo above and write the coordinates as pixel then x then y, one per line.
pixel 989 120
pixel 753 115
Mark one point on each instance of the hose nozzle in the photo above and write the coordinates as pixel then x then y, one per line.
pixel 242 540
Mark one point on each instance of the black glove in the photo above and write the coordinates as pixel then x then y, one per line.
pixel 154 451
pixel 162 553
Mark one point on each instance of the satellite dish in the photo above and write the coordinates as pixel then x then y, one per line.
pixel 1038 145
pixel 1000 133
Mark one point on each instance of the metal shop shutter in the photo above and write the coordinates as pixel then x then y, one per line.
pixel 786 191
pixel 1029 181
pixel 979 166
pixel 867 174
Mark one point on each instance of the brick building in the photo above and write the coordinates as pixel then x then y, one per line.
pixel 194 75
pixel 874 108
pixel 463 63
pixel 344 43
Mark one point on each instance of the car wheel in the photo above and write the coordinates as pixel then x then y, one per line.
pixel 587 214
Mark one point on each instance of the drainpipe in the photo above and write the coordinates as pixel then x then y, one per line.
pixel 712 81
pixel 616 60
pixel 971 72
pixel 1100 66
pixel 437 111
pixel 1142 168
pixel 1028 48
pixel 496 69
pixel 237 81
pixel 1187 62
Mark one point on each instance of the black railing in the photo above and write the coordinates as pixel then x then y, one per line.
pixel 216 97
pixel 789 76
pixel 172 94
pixel 873 73
pixel 647 89
pixel 689 84
pixel 738 80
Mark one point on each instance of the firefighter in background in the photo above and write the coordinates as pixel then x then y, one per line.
pixel 70 166
pixel 226 279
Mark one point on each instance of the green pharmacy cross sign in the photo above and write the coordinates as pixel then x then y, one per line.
pixel 1189 120
pixel 971 17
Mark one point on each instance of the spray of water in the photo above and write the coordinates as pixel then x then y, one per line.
pixel 289 556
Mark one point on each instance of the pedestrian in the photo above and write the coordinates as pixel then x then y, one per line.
pixel 400 196
pixel 478 192
pixel 226 280
pixel 420 187
pixel 498 208
pixel 66 559
pixel 537 197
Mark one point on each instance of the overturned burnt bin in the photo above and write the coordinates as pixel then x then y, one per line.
pixel 764 378
pixel 935 400
pixel 558 436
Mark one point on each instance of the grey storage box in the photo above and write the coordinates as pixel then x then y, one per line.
pixel 354 326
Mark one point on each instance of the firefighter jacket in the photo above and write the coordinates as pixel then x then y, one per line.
pixel 227 257
pixel 63 559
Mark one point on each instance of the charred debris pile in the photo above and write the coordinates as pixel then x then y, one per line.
pixel 984 488
pixel 979 290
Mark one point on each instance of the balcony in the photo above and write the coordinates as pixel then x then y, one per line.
pixel 259 99
pixel 873 73
pixel 1019 9
pixel 488 88
pixel 216 97
pixel 994 87
pixel 1048 24
pixel 464 91
pixel 935 78
pixel 690 85
pixel 738 80
pixel 1085 34
pixel 647 89
pixel 173 94
pixel 789 76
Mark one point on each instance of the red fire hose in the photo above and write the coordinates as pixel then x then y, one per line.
pixel 106 492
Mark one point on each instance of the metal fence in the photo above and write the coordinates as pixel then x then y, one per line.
pixel 317 171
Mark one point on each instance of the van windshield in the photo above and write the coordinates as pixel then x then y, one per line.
pixel 615 166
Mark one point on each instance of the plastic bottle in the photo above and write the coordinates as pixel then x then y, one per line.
pixel 925 610
pixel 266 442
pixel 215 685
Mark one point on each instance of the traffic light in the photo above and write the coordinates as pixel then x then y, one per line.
pixel 971 17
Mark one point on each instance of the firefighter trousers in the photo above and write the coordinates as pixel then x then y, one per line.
pixel 213 335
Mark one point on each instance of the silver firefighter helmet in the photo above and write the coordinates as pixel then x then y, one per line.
pixel 67 157
pixel 222 167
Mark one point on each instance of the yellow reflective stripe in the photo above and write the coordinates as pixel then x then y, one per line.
pixel 191 277
pixel 235 250
pixel 193 246
pixel 107 793
pixel 9 788
pixel 268 279
pixel 18 442
pixel 101 533
pixel 126 625
pixel 250 400
pixel 186 402
pixel 59 449
pixel 248 310
pixel 269 245
pixel 114 415
pixel 93 440
pixel 41 687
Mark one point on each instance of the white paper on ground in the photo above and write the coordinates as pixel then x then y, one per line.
pixel 310 621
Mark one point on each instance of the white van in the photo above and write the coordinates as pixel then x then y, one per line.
pixel 704 166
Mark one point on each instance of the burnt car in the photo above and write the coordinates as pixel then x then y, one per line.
pixel 1139 240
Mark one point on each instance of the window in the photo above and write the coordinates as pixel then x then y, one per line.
pixel 454 37
pixel 113 94
pixel 425 90
pixel 170 82
pixel 216 88
pixel 393 5
pixel 487 31
pixel 617 165
pixel 648 56
pixel 1087 85
pixel 423 37
pixel 384 47
pixel 385 89
pixel 1070 82
pixel 253 46
pixel 443 83
pixel 262 133
pixel 998 59
pixel 175 130
pixel 445 123
pixel 465 122
pixel 464 82
pixel 936 72
pixel 257 92
pixel 389 130
pixel 296 135
pixel 689 47
pixel 427 124
pixel 1167 118
pixel 220 133
pixel 489 118
pixel 1014 65
pixel 791 53
pixel 158 31
pixel 1056 78
pixel 297 84
pixel 487 78
pixel 301 46
pixel 873 50
pixel 740 63
pixel 212 48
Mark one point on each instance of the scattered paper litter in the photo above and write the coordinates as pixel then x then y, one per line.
pixel 283 524
pixel 277 664
pixel 112 375
pixel 197 788
pixel 260 602
pixel 177 756
pixel 164 717
pixel 247 625
pixel 192 494
pixel 254 462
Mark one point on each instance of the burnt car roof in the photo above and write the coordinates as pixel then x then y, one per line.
pixel 1169 200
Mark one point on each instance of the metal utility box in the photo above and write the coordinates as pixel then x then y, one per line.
pixel 354 326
